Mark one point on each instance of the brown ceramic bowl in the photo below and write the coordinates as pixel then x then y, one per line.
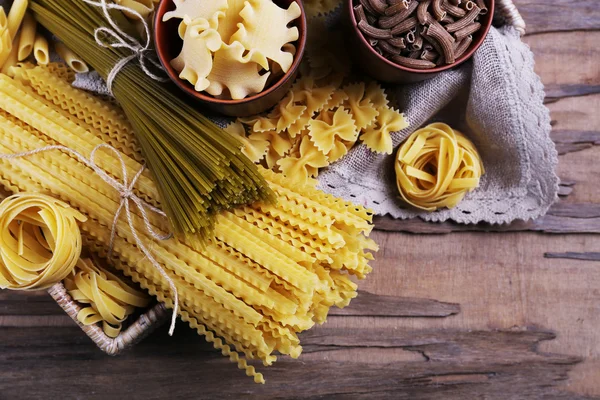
pixel 168 46
pixel 382 69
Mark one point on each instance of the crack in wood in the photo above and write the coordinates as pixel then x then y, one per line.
pixel 570 255
pixel 370 304
pixel 568 141
pixel 558 92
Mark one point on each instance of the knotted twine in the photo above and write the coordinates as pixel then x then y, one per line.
pixel 124 41
pixel 126 194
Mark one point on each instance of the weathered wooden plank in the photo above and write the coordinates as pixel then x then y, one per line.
pixel 569 141
pixel 559 15
pixel 588 256
pixel 448 365
pixel 370 304
pixel 561 218
pixel 556 92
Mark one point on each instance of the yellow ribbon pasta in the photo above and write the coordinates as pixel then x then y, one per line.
pixel 436 167
pixel 110 299
pixel 40 241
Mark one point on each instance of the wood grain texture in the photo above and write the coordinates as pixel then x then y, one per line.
pixel 559 15
pixel 561 218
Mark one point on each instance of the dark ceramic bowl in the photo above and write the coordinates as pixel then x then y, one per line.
pixel 382 69
pixel 169 44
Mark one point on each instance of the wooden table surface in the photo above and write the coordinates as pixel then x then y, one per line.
pixel 459 314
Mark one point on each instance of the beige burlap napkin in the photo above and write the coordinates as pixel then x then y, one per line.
pixel 497 100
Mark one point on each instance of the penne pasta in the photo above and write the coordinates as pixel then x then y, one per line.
pixel 465 21
pixel 444 39
pixel 41 53
pixel 11 60
pixel 15 16
pixel 26 37
pixel 71 59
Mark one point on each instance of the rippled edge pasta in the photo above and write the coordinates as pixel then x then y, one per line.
pixel 220 287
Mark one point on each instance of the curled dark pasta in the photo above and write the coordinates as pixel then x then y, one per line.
pixel 397 42
pixel 429 55
pixel 463 22
pixel 453 10
pixel 405 26
pixel 359 13
pixel 467 30
pixel 444 39
pixel 462 46
pixel 413 62
pixel 378 5
pixel 372 32
pixel 482 7
pixel 438 11
pixel 418 42
pixel 422 14
pixel 395 19
pixel 386 47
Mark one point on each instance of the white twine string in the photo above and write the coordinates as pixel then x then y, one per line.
pixel 125 189
pixel 121 39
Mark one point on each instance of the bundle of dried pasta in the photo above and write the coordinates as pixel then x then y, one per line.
pixel 321 118
pixel 436 167
pixel 110 299
pixel 197 169
pixel 270 272
pixel 40 241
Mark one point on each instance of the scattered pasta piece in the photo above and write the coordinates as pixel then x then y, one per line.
pixel 378 137
pixel 363 110
pixel 254 148
pixel 40 241
pixel 265 31
pixel 75 62
pixel 307 164
pixel 110 299
pixel 436 167
pixel 323 133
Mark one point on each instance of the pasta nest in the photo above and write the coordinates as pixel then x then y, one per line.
pixel 436 167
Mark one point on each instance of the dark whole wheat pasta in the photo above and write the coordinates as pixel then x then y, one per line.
pixel 397 42
pixel 405 26
pixel 447 19
pixel 401 8
pixel 419 33
pixel 453 10
pixel 482 7
pixel 367 6
pixel 445 40
pixel 371 19
pixel 438 11
pixel 463 22
pixel 395 19
pixel 388 48
pixel 378 5
pixel 413 63
pixel 422 14
pixel 467 30
pixel 469 5
pixel 359 13
pixel 372 32
pixel 418 43
pixel 429 55
pixel 462 46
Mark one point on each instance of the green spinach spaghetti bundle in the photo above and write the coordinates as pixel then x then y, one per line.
pixel 198 168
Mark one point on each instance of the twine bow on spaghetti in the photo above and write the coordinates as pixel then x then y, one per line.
pixel 116 38
pixel 127 195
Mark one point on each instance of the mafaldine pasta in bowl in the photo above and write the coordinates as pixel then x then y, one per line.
pixel 238 57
